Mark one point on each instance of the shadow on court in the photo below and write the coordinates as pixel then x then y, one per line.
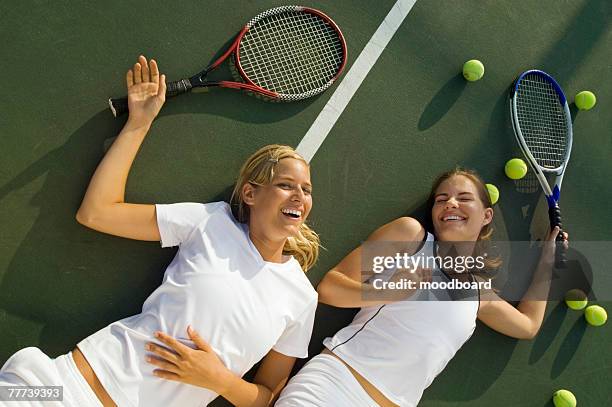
pixel 550 327
pixel 442 102
pixel 69 279
pixel 569 51
pixel 568 348
pixel 476 374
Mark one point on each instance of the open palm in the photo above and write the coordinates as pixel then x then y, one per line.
pixel 146 90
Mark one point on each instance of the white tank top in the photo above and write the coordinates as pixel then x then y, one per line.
pixel 401 347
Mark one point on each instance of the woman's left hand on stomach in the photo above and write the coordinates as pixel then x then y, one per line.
pixel 199 367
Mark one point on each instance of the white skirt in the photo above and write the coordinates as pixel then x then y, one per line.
pixel 324 382
pixel 31 367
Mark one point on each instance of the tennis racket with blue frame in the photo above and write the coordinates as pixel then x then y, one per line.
pixel 542 125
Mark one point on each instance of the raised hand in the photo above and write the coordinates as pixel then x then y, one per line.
pixel 146 91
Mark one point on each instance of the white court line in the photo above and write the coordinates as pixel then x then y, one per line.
pixel 323 124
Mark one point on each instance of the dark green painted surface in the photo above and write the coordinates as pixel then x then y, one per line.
pixel 412 118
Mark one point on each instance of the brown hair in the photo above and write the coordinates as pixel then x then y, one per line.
pixel 483 194
pixel 259 170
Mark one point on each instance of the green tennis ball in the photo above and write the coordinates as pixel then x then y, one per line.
pixel 493 193
pixel 576 299
pixel 564 398
pixel 585 100
pixel 516 168
pixel 473 70
pixel 595 315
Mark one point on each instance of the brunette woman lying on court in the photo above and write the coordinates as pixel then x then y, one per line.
pixel 393 349
pixel 236 290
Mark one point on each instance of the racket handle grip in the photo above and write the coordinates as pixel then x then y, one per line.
pixel 179 87
pixel 119 106
pixel 554 214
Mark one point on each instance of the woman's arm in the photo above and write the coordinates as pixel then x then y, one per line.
pixel 524 321
pixel 103 207
pixel 202 367
pixel 343 285
pixel 271 377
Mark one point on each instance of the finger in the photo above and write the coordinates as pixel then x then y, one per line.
pixel 129 78
pixel 172 343
pixel 154 71
pixel 167 375
pixel 145 69
pixel 197 339
pixel 137 73
pixel 553 233
pixel 162 352
pixel 167 366
pixel 161 90
pixel 565 240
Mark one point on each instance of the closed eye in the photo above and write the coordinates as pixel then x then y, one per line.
pixel 282 185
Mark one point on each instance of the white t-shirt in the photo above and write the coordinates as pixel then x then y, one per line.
pixel 218 283
pixel 401 347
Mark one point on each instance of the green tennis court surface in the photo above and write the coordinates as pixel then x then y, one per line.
pixel 413 117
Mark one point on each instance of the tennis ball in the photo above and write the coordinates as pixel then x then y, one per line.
pixel 585 100
pixel 493 193
pixel 564 398
pixel 576 299
pixel 516 168
pixel 595 315
pixel 473 70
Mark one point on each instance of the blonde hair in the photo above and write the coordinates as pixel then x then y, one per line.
pixel 259 170
pixel 483 194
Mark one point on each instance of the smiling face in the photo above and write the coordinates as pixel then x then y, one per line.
pixel 279 208
pixel 458 212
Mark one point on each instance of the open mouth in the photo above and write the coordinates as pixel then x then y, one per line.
pixel 453 218
pixel 292 213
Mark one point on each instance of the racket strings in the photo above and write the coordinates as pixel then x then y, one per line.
pixel 542 121
pixel 304 54
pixel 290 65
pixel 292 53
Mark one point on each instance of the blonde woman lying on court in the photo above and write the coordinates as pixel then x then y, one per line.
pixel 237 279
pixel 392 350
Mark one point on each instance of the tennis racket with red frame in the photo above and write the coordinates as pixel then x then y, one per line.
pixel 286 53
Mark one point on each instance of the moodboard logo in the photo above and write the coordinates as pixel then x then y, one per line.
pixel 501 270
